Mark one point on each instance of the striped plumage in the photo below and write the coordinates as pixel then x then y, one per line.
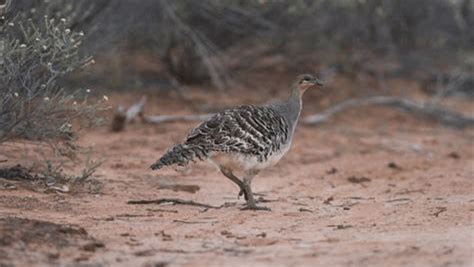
pixel 249 130
pixel 243 140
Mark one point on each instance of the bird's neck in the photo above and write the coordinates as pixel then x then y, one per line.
pixel 295 104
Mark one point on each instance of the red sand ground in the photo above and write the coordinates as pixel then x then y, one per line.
pixel 374 187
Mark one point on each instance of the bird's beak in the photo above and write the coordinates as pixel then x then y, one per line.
pixel 318 82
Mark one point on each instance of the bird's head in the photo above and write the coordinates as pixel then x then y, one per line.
pixel 305 81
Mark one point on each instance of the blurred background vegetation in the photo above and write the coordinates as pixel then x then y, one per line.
pixel 149 43
pixel 59 59
pixel 57 49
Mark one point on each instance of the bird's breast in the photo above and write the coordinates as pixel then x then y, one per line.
pixel 243 162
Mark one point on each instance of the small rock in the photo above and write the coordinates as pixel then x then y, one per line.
pixel 393 165
pixel 342 226
pixel 262 234
pixel 328 200
pixel 144 253
pixel 53 255
pixel 331 171
pixel 91 247
pixel 454 155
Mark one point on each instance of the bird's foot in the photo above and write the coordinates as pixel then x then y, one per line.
pixel 255 207
pixel 242 192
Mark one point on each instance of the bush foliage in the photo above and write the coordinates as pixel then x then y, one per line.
pixel 35 57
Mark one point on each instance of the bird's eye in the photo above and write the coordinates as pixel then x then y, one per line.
pixel 305 79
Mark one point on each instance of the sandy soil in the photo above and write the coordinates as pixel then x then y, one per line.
pixel 371 188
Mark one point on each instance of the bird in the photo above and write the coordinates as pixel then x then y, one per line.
pixel 244 140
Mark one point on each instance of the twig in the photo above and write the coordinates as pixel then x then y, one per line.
pixel 175 201
pixel 439 210
pixel 162 210
pixel 176 118
pixel 214 67
pixel 192 222
pixel 5 6
pixel 445 116
pixel 398 200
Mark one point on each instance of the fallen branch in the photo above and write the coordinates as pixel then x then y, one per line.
pixel 435 112
pixel 431 111
pixel 174 201
pixel 135 110
pixel 122 115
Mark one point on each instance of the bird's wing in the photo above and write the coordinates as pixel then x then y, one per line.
pixel 249 130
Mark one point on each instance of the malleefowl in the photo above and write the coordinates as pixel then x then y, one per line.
pixel 244 140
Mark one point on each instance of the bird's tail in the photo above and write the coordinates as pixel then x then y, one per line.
pixel 181 155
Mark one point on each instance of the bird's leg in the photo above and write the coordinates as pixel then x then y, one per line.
pixel 228 173
pixel 251 204
pixel 247 179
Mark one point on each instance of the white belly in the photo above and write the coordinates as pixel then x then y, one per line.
pixel 241 162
